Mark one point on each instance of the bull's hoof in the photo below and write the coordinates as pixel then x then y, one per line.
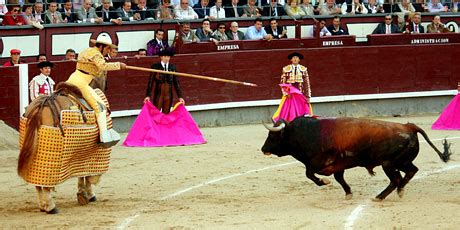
pixel 400 193
pixel 82 198
pixel 92 199
pixel 53 211
pixel 325 181
pixel 376 199
pixel 348 196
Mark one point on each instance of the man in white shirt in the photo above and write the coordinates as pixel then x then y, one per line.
pixel 217 11
pixel 184 11
pixel 42 84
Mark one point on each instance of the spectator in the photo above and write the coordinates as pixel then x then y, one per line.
pixel 187 35
pixel 414 26
pixel 70 55
pixel 274 9
pixel 419 6
pixel 3 10
pixel 358 8
pixel 52 15
pixel 257 32
pixel 88 14
pixel 251 10
pixel 275 30
pixel 323 31
pixel 220 34
pixel 405 7
pixel 157 44
pixel 29 17
pixel 184 11
pixel 293 10
pixel 126 14
pixel 217 11
pixel 165 11
pixel 330 8
pixel 141 53
pixel 234 33
pixel 15 58
pixel 41 58
pixel 108 13
pixel 202 9
pixel 308 8
pixel 204 33
pixel 373 7
pixel 13 17
pixel 335 28
pixel 434 6
pixel 233 10
pixel 42 84
pixel 387 27
pixel 38 12
pixel 68 13
pixel 144 11
pixel 436 26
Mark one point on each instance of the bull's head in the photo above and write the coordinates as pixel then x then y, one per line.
pixel 276 138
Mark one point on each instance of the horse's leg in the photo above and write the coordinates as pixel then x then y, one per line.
pixel 41 201
pixel 82 195
pixel 91 180
pixel 49 205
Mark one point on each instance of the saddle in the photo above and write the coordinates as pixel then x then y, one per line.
pixel 74 93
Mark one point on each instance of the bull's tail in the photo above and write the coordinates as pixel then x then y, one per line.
pixel 445 156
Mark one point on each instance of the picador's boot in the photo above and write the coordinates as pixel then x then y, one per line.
pixel 105 135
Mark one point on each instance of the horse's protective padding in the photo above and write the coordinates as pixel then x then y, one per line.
pixel 74 154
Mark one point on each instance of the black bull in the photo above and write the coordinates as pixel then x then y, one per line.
pixel 329 146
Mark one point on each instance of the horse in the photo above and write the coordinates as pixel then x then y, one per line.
pixel 52 150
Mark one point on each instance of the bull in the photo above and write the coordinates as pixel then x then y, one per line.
pixel 329 146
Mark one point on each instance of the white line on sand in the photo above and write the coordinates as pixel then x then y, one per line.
pixel 350 220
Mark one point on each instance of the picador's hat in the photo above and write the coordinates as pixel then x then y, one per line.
pixel 45 64
pixel 295 54
pixel 166 52
pixel 104 39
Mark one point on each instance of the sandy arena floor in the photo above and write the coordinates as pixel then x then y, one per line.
pixel 229 184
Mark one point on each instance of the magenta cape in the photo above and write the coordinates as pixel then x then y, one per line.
pixel 153 128
pixel 450 117
pixel 292 106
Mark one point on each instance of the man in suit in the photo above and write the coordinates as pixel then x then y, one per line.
pixel 68 13
pixel 273 9
pixel 275 30
pixel 202 9
pixel 143 10
pixel 126 14
pixel 157 44
pixel 107 13
pixel 163 94
pixel 38 12
pixel 415 27
pixel 335 28
pixel 52 15
pixel 88 14
pixel 387 27
pixel 234 33
pixel 233 10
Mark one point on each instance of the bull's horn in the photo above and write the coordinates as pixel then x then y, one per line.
pixel 275 129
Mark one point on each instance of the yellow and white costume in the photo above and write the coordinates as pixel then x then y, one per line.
pixel 91 64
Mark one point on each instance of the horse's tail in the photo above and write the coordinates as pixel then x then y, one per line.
pixel 34 121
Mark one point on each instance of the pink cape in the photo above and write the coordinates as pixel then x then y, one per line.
pixel 450 117
pixel 292 106
pixel 153 128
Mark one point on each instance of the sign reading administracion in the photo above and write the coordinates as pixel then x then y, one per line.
pixel 429 40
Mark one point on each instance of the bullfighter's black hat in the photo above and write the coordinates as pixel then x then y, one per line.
pixel 166 52
pixel 45 64
pixel 295 54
